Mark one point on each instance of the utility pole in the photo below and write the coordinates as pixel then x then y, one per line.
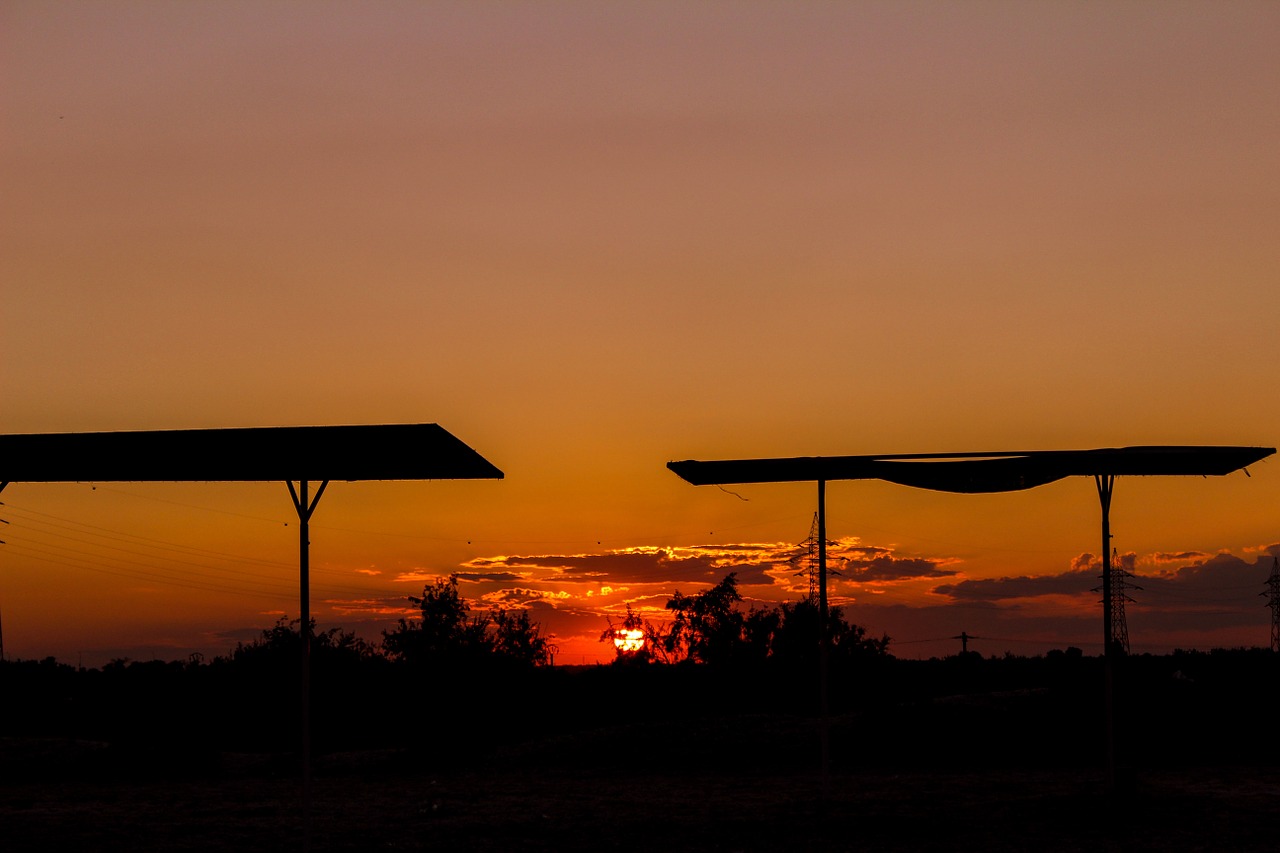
pixel 2 485
pixel 305 505
pixel 1106 485
pixel 1273 601
pixel 812 553
pixel 824 636
pixel 1116 637
pixel 964 637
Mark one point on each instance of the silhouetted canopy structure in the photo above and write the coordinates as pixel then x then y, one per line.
pixel 975 473
pixel 256 454
pixel 360 452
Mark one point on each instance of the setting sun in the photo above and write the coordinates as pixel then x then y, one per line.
pixel 629 640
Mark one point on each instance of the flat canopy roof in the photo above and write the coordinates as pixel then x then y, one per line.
pixel 972 473
pixel 260 454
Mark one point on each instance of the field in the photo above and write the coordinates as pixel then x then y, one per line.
pixel 367 801
pixel 995 755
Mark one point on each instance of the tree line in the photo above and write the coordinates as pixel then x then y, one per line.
pixel 711 628
pixel 449 683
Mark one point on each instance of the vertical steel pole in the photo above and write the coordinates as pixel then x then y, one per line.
pixel 304 592
pixel 824 634
pixel 3 483
pixel 305 508
pixel 1106 483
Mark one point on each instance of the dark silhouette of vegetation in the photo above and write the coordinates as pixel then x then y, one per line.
pixel 634 629
pixel 446 635
pixel 708 627
pixel 454 688
pixel 712 628
pixel 283 642
pixel 152 718
pixel 792 637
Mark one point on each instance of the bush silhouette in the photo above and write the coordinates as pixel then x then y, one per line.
pixel 446 636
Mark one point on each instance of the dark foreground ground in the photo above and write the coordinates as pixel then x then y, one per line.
pixel 376 801
pixel 960 754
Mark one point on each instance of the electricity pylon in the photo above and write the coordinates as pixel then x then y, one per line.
pixel 1120 578
pixel 809 556
pixel 1118 635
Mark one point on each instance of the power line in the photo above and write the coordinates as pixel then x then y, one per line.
pixel 455 539
pixel 120 535
pixel 153 567
pixel 39 526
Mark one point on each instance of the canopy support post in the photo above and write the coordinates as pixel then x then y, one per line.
pixel 1105 484
pixel 824 634
pixel 305 508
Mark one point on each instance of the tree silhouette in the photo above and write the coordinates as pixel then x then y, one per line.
pixel 517 639
pixel 653 648
pixel 794 637
pixel 711 628
pixel 281 644
pixel 707 628
pixel 446 635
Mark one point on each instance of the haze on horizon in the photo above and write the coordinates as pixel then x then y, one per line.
pixel 590 239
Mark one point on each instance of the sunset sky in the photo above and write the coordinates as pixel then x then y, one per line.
pixel 590 238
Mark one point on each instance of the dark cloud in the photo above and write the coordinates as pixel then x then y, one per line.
pixel 999 589
pixel 934 630
pixel 1177 556
pixel 1221 571
pixel 865 552
pixel 1211 602
pixel 477 577
pixel 1216 573
pixel 641 565
pixel 520 596
pixel 770 549
pixel 384 607
pixel 889 568
pixel 647 602
pixel 1086 562
pixel 1089 562
pixel 1182 597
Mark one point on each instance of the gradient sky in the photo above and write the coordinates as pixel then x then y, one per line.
pixel 591 238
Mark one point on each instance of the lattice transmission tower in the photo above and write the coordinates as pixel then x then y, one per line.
pixel 1273 601
pixel 1121 580
pixel 807 558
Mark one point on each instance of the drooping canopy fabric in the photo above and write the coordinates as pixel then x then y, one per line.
pixel 974 473
pixel 256 454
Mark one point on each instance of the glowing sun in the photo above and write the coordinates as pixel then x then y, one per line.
pixel 631 640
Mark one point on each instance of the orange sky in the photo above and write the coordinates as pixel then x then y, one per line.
pixel 591 238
